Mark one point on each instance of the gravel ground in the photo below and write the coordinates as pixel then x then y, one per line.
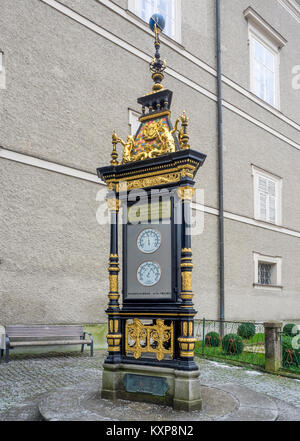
pixel 25 377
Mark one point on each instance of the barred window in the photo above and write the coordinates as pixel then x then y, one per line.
pixel 267 272
pixel 264 273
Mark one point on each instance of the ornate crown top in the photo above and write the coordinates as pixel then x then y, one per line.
pixel 155 135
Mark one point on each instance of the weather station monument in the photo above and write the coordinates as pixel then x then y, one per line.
pixel 151 334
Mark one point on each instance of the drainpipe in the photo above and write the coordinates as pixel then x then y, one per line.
pixel 220 153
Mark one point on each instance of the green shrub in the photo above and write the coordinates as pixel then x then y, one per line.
pixel 246 330
pixel 212 339
pixel 288 328
pixel 232 344
pixel 290 356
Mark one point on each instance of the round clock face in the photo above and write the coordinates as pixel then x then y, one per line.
pixel 148 240
pixel 148 273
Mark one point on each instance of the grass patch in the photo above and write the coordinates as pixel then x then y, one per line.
pixel 217 352
pixel 295 369
pixel 256 339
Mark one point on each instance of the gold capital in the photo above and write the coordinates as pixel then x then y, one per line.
pixel 113 204
pixel 186 193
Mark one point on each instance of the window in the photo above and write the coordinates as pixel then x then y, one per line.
pixel 267 196
pixel 133 121
pixel 263 71
pixel 265 43
pixel 264 64
pixel 169 9
pixel 267 272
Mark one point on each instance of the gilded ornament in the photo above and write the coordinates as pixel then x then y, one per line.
pixel 156 130
pixel 156 338
pixel 116 325
pixel 113 204
pixel 186 193
pixel 150 181
pixel 186 281
pixel 113 283
pixel 184 328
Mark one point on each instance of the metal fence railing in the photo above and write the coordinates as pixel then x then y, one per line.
pixel 231 340
pixel 290 345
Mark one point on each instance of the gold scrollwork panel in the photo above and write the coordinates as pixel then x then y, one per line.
pixel 156 338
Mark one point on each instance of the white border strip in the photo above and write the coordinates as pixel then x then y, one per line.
pixel 260 124
pixel 292 7
pixel 68 171
pixel 52 166
pixel 246 220
pixel 100 31
pixel 118 10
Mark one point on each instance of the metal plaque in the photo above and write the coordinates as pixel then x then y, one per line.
pixel 146 384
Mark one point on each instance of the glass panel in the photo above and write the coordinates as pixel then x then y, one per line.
pixel 165 7
pixel 258 79
pixel 145 8
pixel 258 51
pixel 269 60
pixel 270 86
pixel 134 123
pixel 272 209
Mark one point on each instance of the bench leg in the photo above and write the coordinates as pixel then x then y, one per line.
pixel 92 349
pixel 7 346
pixel 7 355
pixel 1 354
pixel 82 348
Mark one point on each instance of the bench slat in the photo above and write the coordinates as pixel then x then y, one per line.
pixel 44 331
pixel 49 343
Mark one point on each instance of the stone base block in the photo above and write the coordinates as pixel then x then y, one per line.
pixel 171 387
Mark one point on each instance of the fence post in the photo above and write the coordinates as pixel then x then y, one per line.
pixel 203 336
pixel 273 349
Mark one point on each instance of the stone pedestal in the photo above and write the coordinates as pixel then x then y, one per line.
pixel 179 389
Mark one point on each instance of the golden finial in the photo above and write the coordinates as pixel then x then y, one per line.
pixel 183 135
pixel 114 153
pixel 157 66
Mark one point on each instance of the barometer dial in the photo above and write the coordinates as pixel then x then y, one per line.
pixel 148 273
pixel 149 240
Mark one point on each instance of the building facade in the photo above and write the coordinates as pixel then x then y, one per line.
pixel 71 71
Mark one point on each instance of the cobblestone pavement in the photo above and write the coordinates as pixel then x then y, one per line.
pixel 28 376
pixel 282 388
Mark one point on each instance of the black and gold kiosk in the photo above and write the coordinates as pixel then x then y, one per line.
pixel 151 336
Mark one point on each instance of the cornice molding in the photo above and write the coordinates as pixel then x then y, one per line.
pixel 254 18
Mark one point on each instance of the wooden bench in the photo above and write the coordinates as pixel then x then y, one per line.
pixel 46 335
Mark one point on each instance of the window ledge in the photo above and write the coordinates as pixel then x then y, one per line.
pixel 268 287
pixel 273 106
pixel 267 222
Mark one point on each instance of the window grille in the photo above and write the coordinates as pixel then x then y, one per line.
pixel 264 273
